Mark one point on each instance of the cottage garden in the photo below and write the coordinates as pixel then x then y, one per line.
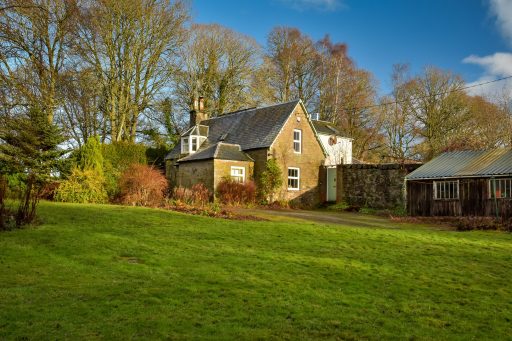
pixel 275 210
pixel 95 271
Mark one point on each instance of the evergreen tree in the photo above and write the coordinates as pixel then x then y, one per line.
pixel 91 156
pixel 29 148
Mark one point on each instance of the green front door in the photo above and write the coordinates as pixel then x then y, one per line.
pixel 331 184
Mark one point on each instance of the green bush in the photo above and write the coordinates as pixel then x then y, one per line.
pixel 270 180
pixel 82 186
pixel 90 156
pixel 117 157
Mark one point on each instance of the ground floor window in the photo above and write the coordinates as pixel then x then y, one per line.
pixel 500 188
pixel 446 189
pixel 293 178
pixel 238 174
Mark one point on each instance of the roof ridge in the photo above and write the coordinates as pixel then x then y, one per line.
pixel 251 108
pixel 229 144
pixel 216 152
pixel 323 121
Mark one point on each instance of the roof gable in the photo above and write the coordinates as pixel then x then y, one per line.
pixel 252 128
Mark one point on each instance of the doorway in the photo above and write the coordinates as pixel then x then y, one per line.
pixel 331 184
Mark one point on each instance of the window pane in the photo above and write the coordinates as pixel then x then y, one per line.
pixel 446 190
pixel 293 183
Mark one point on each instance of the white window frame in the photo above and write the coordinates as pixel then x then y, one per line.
pixel 194 139
pixel 293 178
pixel 185 146
pixel 501 183
pixel 299 141
pixel 233 176
pixel 444 183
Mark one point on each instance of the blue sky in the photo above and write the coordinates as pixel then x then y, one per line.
pixel 470 37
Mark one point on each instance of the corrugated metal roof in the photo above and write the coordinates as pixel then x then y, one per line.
pixel 482 163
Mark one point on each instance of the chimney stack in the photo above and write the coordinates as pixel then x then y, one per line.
pixel 197 113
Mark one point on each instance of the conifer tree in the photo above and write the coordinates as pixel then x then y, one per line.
pixel 29 148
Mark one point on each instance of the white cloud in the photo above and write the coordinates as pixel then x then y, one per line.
pixel 499 64
pixel 320 5
pixel 502 9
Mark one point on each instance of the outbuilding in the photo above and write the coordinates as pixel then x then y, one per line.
pixel 462 183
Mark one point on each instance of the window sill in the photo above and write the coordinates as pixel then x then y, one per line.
pixel 294 189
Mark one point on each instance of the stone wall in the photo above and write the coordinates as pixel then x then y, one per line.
pixel 223 169
pixel 260 160
pixel 191 173
pixel 308 161
pixel 372 185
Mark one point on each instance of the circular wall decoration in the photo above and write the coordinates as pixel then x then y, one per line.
pixel 333 140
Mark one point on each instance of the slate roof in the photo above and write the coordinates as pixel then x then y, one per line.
pixel 326 128
pixel 250 128
pixel 483 163
pixel 202 131
pixel 220 150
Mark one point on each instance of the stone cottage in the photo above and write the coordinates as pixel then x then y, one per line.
pixel 238 145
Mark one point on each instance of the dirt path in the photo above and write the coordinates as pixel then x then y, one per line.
pixel 322 216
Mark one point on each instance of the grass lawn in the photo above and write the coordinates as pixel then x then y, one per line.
pixel 112 272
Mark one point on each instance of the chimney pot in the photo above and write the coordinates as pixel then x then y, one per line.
pixel 197 113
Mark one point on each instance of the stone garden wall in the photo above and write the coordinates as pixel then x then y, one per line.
pixel 377 186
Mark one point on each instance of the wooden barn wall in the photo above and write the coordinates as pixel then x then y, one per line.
pixel 473 200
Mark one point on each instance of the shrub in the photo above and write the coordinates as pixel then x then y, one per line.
pixel 49 190
pixel 117 158
pixel 198 195
pixel 142 185
pixel 182 194
pixel 231 192
pixel 270 180
pixel 156 155
pixel 82 186
pixel 90 156
pixel 482 223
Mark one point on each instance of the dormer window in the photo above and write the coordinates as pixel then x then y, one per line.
pixel 192 139
pixel 194 144
pixel 184 145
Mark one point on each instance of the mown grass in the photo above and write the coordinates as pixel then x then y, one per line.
pixel 112 272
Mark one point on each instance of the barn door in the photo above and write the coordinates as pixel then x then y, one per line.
pixel 331 184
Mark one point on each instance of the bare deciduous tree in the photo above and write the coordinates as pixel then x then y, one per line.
pixel 35 36
pixel 132 48
pixel 295 65
pixel 218 64
pixel 398 121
